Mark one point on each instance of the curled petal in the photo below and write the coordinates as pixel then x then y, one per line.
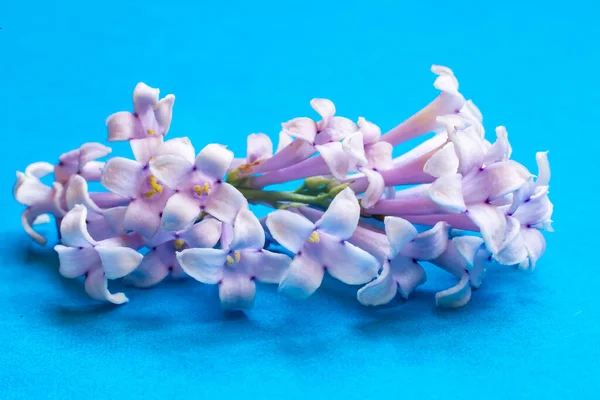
pixel 77 193
pixel 429 244
pixel 399 233
pixel 122 176
pixel 371 132
pixel 408 274
pixel 214 160
pixel 92 151
pixel 354 147
pixel 341 217
pixel 443 162
pixel 75 261
pixel 326 110
pixel 237 291
pixel 301 128
pixel 302 278
pixel 445 82
pixel 543 164
pixel 144 97
pixel 204 265
pixel 118 261
pixel 446 191
pixel 29 190
pixel 468 247
pixel 469 150
pixel 247 231
pixel 379 155
pixel 39 169
pixel 163 112
pixel 123 126
pixel 181 147
pixel 457 296
pixel 374 190
pixel 289 229
pixel 535 244
pixel 96 287
pixel 260 147
pixel 513 249
pixel 224 202
pixel 500 150
pixel 284 141
pixel 379 291
pixel 336 158
pixel 344 261
pixel 491 222
pixel 73 228
pixel 28 218
pixel 170 169
pixel 180 212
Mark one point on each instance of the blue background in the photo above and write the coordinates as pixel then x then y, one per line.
pixel 241 67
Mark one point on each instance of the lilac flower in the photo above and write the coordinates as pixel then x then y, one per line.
pixel 81 161
pixel 81 255
pixel 151 117
pixel 322 246
pixel 198 186
pixel 161 260
pixel 39 198
pixel 238 264
pixel 135 181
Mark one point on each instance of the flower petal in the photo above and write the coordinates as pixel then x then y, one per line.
pixel 543 164
pixel 341 217
pixel 446 191
pixel 407 274
pixel 513 250
pixel 77 193
pixel 144 149
pixel 469 150
pixel 457 296
pixel 500 150
pixel 468 247
pixel 445 82
pixel 371 132
pixel 535 244
pixel 205 233
pixel 535 209
pixel 154 268
pixel 115 217
pixel 355 149
pixel 443 162
pixel 379 155
pixel 289 229
pixel 336 158
pixel 237 291
pixel 118 261
pixel 224 202
pixel 75 261
pixel 399 233
pixel 302 278
pixel 337 129
pixel 266 266
pixel 122 176
pixel 163 112
pixel 142 217
pixel 170 169
pixel 429 244
pixel 491 222
pixel 29 190
pixel 144 97
pixel 260 147
pixel 181 147
pixel 343 260
pixel 326 110
pixel 214 160
pixel 204 265
pixel 96 287
pixel 379 291
pixel 247 231
pixel 302 128
pixel 375 189
pixel 284 141
pixel 495 181
pixel 73 228
pixel 122 126
pixel 180 212
pixel 92 151
pixel 39 169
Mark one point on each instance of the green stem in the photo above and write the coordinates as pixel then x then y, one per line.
pixel 274 197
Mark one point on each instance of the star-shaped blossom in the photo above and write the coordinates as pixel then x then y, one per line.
pixel 161 259
pixel 151 116
pixel 322 246
pixel 81 161
pixel 198 185
pixel 238 264
pixel 81 255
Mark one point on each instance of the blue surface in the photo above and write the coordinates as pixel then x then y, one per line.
pixel 243 67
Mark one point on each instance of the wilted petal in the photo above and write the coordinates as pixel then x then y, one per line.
pixel 214 160
pixel 491 222
pixel 336 159
pixel 457 296
pixel 96 287
pixel 446 191
pixel 341 217
pixel 301 128
pixel 123 126
pixel 122 176
pixel 118 261
pixel 443 162
pixel 73 228
pixel 224 202
pixel 399 232
pixel 429 244
pixel 247 231
pixel 204 265
pixel 260 147
pixel 75 261
pixel 343 260
pixel 302 278
pixel 375 189
pixel 379 155
pixel 289 229
pixel 379 291
pixel 170 169
pixel 237 291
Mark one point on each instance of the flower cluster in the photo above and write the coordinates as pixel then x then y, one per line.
pixel 455 201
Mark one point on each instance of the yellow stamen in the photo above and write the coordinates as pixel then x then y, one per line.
pixel 247 168
pixel 204 189
pixel 237 256
pixel 150 132
pixel 156 187
pixel 179 244
pixel 314 238
pixel 201 216
pixel 230 260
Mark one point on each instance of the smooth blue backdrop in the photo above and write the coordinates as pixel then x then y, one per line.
pixel 239 67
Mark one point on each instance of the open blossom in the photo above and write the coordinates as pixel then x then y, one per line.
pixel 322 246
pixel 80 254
pixel 81 161
pixel 238 264
pixel 151 116
pixel 198 185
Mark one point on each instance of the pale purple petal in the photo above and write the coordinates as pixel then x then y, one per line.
pixel 289 229
pixel 355 149
pixel 237 291
pixel 371 132
pixel 122 176
pixel 375 189
pixel 123 126
pixel 247 231
pixel 75 261
pixel 491 222
pixel 108 199
pixel 143 217
pixel 495 181
pixel 214 160
pixel 543 164
pixel 500 150
pixel 92 170
pixel 469 150
pixel 39 169
pixel 468 247
pixel 144 97
pixel 115 217
pixel 92 151
pixel 326 110
pixel 443 162
pixel 302 128
pixel 302 278
pixel 446 191
pixel 181 147
pixel 28 218
pixel 478 271
pixel 341 217
pixel 118 261
pixel 513 250
pixel 399 233
pixel 170 169
pixel 224 202
pixel 337 129
pixel 205 233
pixel 180 212
pixel 154 268
pixel 379 155
pixel 284 141
pixel 379 291
pixel 163 112
pixel 73 229
pixel 336 158
pixel 446 81
pixel 266 266
pixel 260 147
pixel 429 244
pixel 535 244
pixel 29 190
pixel 457 296
pixel 204 265
pixel 96 287
pixel 77 193
pixel 407 274
pixel 144 149
pixel 535 210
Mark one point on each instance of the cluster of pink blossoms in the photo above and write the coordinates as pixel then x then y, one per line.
pixel 455 201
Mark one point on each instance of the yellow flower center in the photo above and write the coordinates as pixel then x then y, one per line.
pixel 314 238
pixel 235 259
pixel 156 188
pixel 179 244
pixel 202 190
pixel 150 132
